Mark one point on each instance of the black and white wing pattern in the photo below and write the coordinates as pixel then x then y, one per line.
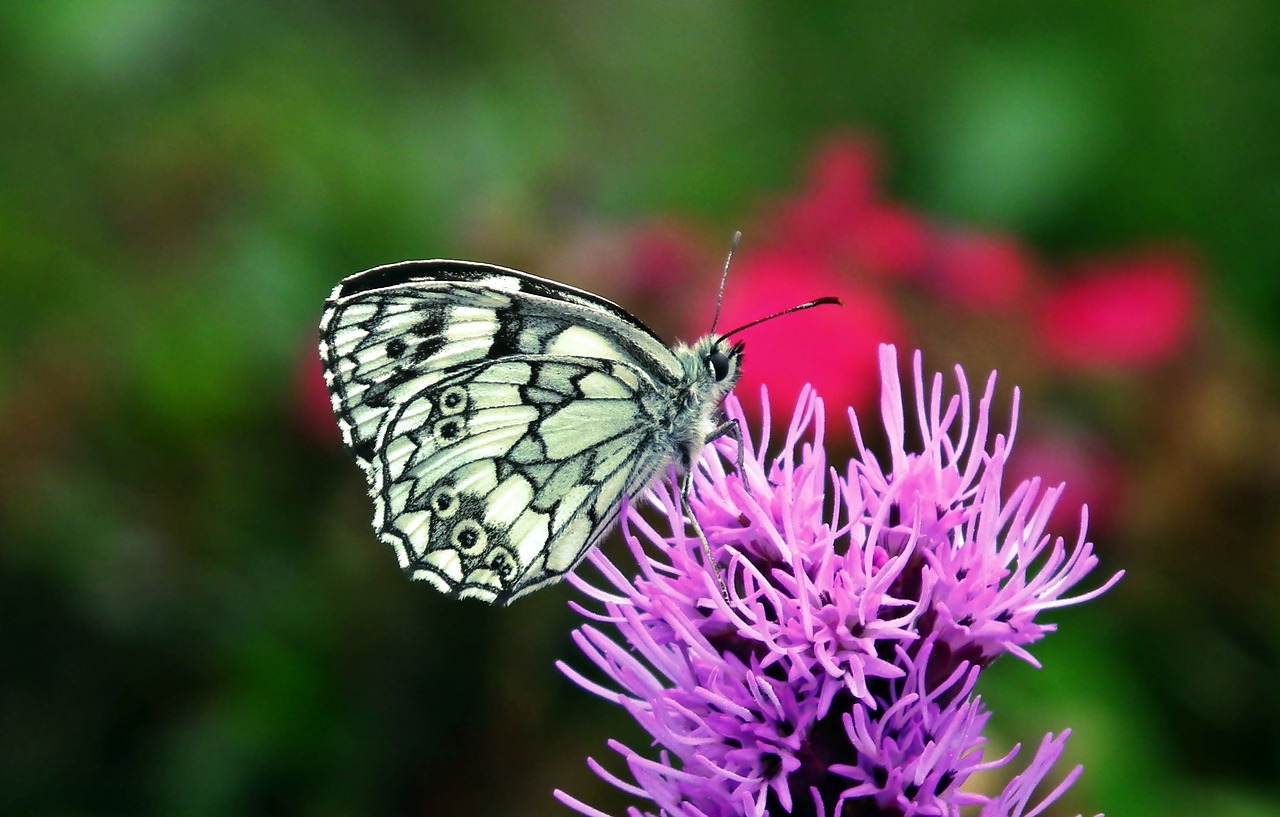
pixel 500 418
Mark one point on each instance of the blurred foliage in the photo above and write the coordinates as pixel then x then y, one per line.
pixel 197 619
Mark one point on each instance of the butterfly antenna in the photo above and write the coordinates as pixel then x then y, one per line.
pixel 733 246
pixel 800 308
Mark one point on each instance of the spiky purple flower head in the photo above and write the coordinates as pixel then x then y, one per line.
pixel 838 678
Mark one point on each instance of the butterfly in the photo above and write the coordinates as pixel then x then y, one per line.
pixel 500 418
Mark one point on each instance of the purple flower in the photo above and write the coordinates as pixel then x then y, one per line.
pixel 838 679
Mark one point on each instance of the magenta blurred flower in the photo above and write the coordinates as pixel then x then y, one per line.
pixel 888 240
pixel 840 215
pixel 841 185
pixel 1093 474
pixel 1121 313
pixel 837 346
pixel 980 272
pixel 311 409
pixel 663 254
pixel 864 603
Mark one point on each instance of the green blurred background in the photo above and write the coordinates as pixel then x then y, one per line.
pixel 196 617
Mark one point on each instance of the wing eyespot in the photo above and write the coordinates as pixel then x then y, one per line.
pixel 501 561
pixel 453 400
pixel 444 502
pixel 450 428
pixel 469 537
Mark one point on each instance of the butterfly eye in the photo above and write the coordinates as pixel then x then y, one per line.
pixel 719 365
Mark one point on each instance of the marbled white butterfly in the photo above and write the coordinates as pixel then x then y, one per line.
pixel 501 418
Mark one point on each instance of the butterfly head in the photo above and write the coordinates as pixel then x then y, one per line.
pixel 722 361
pixel 711 370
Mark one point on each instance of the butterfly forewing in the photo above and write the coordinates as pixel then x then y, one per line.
pixel 389 332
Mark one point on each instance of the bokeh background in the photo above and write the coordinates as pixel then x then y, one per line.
pixel 196 618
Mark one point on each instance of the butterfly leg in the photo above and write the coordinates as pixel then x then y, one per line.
pixel 733 430
pixel 686 488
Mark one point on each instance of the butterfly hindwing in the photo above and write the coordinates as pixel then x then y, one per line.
pixel 498 479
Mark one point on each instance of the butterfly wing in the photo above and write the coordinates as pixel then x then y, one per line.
pixel 498 480
pixel 533 406
pixel 392 331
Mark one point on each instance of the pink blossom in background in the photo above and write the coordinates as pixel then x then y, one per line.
pixel 840 215
pixel 980 271
pixel 1093 475
pixel 1121 313
pixel 888 241
pixel 311 404
pixel 840 186
pixel 846 167
pixel 834 348
pixel 664 254
pixel 839 235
